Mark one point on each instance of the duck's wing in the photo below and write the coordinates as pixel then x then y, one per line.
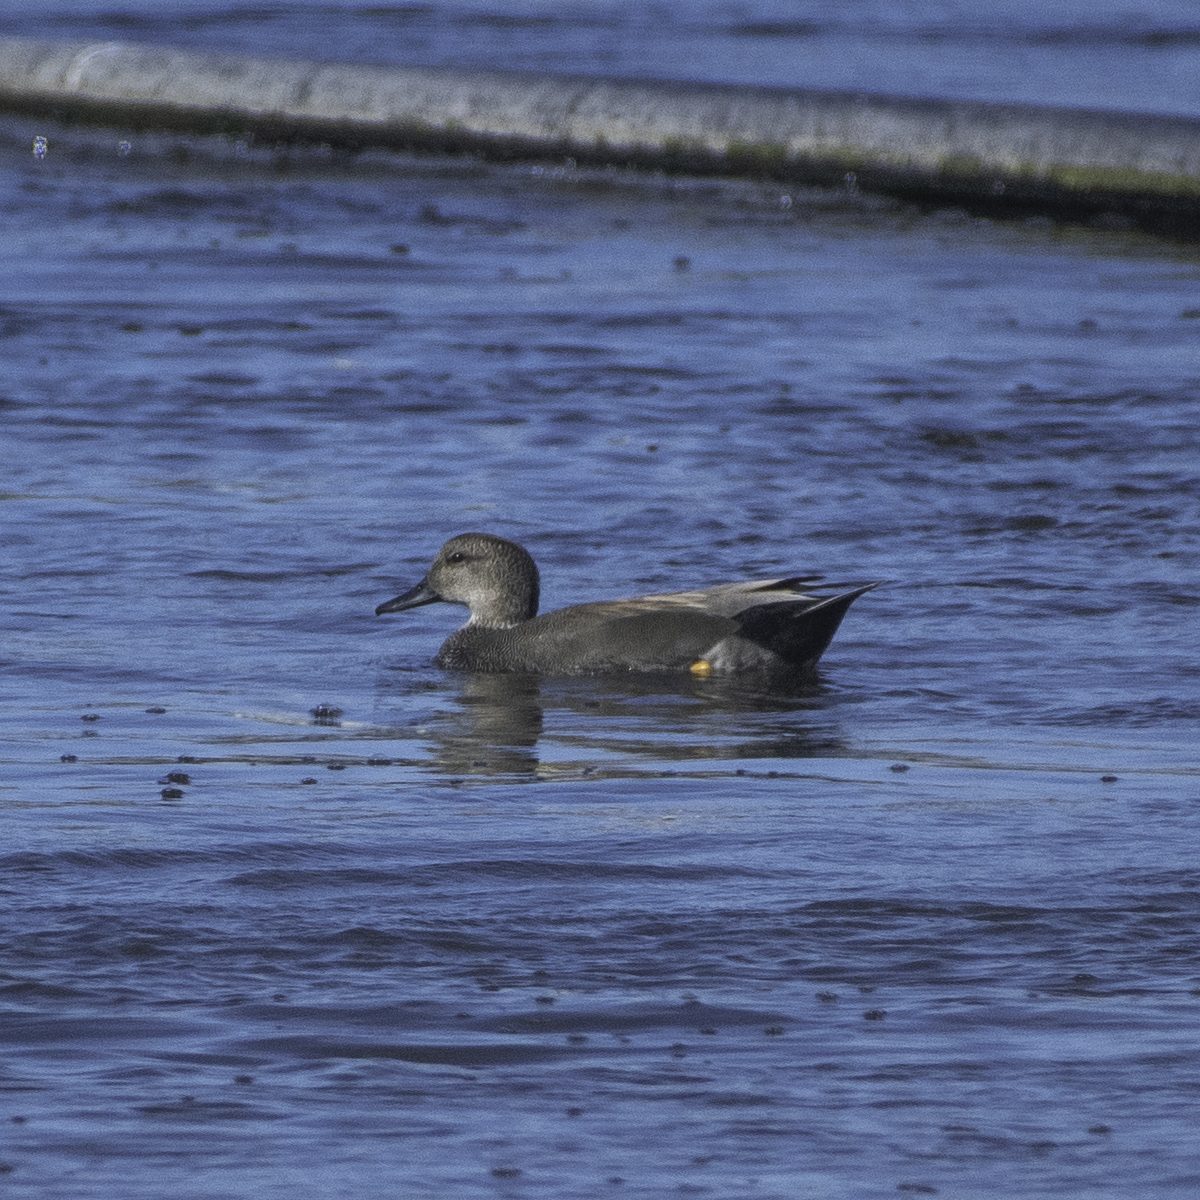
pixel 729 599
pixel 759 625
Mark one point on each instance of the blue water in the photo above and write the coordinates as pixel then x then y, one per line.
pixel 287 910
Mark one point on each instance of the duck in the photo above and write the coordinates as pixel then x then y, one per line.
pixel 764 626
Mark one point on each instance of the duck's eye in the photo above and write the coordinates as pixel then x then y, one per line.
pixel 457 557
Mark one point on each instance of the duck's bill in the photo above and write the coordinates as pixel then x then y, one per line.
pixel 413 598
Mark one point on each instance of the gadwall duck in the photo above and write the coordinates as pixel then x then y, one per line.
pixel 762 625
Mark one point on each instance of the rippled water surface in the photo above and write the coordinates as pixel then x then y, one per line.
pixel 286 910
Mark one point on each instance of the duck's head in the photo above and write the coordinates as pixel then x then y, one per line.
pixel 496 579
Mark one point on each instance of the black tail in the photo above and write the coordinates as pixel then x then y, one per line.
pixel 799 633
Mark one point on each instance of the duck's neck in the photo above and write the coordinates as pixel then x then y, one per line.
pixel 502 612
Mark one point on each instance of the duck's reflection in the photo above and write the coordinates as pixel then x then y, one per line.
pixel 513 724
pixel 493 729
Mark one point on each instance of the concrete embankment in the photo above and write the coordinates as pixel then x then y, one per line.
pixel 1023 157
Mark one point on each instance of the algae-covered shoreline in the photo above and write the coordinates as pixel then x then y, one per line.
pixel 1003 157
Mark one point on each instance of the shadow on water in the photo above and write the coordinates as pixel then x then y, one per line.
pixel 601 726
